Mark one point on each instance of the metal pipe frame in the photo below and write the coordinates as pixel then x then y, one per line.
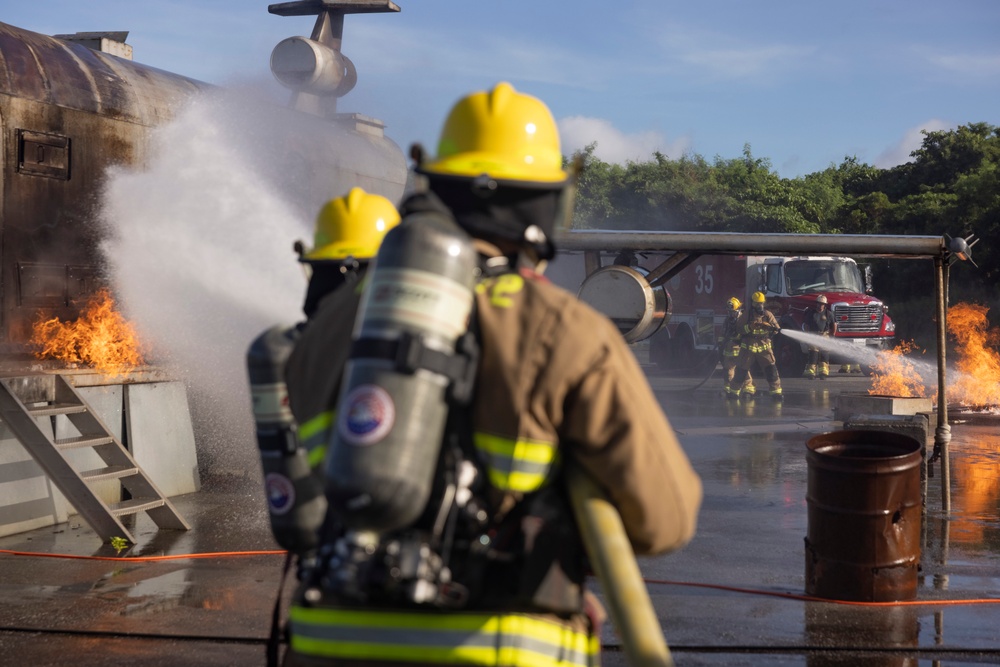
pixel 732 243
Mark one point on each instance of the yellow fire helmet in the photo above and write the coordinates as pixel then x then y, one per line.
pixel 351 226
pixel 503 134
pixel 733 304
pixel 758 297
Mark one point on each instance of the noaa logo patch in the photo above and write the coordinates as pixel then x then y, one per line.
pixel 367 416
pixel 280 493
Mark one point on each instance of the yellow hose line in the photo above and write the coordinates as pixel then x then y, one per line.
pixel 615 566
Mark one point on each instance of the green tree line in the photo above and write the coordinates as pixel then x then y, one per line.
pixel 950 186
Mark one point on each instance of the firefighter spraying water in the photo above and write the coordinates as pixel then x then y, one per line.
pixel 729 345
pixel 756 328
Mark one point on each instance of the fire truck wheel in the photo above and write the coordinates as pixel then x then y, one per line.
pixel 660 351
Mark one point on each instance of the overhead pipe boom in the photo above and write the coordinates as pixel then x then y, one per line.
pixel 733 243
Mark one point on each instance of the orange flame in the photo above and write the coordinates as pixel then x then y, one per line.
pixel 895 375
pixel 977 362
pixel 974 382
pixel 100 337
pixel 977 484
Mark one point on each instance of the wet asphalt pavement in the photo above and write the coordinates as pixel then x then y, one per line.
pixel 731 597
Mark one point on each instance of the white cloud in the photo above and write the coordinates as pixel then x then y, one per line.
pixel 968 66
pixel 723 57
pixel 746 62
pixel 613 145
pixel 480 56
pixel 899 152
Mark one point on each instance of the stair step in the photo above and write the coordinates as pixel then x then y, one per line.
pixel 83 441
pixel 135 505
pixel 51 409
pixel 20 415
pixel 109 472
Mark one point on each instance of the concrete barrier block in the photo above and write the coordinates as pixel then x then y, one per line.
pixel 916 426
pixel 160 435
pixel 870 404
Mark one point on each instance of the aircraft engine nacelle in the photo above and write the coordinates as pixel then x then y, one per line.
pixel 624 295
pixel 306 65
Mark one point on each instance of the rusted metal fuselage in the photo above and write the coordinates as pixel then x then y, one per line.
pixel 67 113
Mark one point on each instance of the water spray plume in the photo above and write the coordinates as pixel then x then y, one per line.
pixel 199 248
pixel 973 377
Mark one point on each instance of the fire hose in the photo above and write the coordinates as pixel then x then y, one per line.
pixel 614 565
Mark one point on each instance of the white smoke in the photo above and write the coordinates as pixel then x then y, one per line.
pixel 901 152
pixel 613 145
pixel 199 251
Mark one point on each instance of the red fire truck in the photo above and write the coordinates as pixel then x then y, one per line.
pixel 698 296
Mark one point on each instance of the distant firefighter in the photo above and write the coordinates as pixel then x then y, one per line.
pixel 820 322
pixel 756 327
pixel 729 346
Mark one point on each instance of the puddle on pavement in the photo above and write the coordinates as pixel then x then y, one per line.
pixel 158 593
pixel 768 460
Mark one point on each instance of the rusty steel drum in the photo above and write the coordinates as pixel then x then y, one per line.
pixel 864 508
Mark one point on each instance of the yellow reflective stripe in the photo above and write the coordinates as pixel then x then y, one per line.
pixel 479 639
pixel 314 434
pixel 320 422
pixel 316 456
pixel 535 451
pixel 520 482
pixel 520 465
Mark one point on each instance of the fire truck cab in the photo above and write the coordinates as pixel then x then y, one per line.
pixel 793 284
pixel 698 294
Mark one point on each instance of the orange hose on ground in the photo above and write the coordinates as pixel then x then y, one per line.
pixel 663 582
pixel 150 559
pixel 809 598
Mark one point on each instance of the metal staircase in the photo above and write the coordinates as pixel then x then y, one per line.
pixel 23 400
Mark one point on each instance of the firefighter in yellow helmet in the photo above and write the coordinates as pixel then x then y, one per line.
pixel 757 326
pixel 295 371
pixel 555 381
pixel 820 322
pixel 347 235
pixel 729 345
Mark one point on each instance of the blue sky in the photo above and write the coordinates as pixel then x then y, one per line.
pixel 804 83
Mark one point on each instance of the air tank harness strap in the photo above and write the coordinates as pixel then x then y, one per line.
pixel 411 353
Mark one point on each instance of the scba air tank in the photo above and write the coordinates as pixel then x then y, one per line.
pixel 393 403
pixel 295 500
